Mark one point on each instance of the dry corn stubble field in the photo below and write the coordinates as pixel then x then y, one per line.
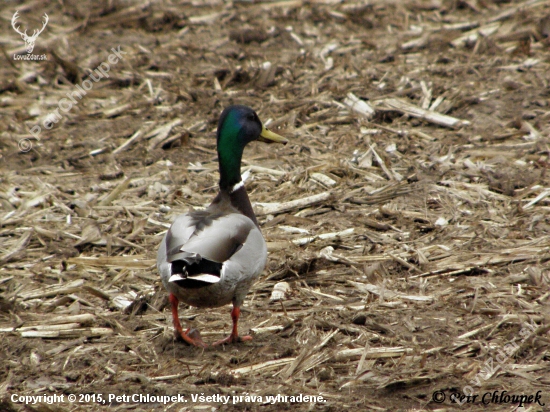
pixel 407 220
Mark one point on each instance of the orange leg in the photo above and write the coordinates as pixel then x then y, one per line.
pixel 234 337
pixel 195 340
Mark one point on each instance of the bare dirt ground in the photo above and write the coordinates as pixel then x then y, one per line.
pixel 421 264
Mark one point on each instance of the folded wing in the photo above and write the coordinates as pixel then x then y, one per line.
pixel 199 244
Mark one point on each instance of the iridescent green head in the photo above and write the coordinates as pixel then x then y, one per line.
pixel 238 125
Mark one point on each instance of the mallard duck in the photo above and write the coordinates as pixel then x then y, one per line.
pixel 210 258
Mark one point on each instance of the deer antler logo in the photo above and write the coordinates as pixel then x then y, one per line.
pixel 29 40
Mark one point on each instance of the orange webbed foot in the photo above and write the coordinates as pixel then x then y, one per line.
pixel 192 337
pixel 234 337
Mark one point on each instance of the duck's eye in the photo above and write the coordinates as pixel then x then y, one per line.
pixel 252 117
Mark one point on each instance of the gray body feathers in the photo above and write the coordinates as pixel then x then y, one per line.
pixel 221 242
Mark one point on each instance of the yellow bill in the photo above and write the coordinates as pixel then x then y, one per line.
pixel 269 137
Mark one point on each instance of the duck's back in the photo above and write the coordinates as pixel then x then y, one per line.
pixel 211 258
